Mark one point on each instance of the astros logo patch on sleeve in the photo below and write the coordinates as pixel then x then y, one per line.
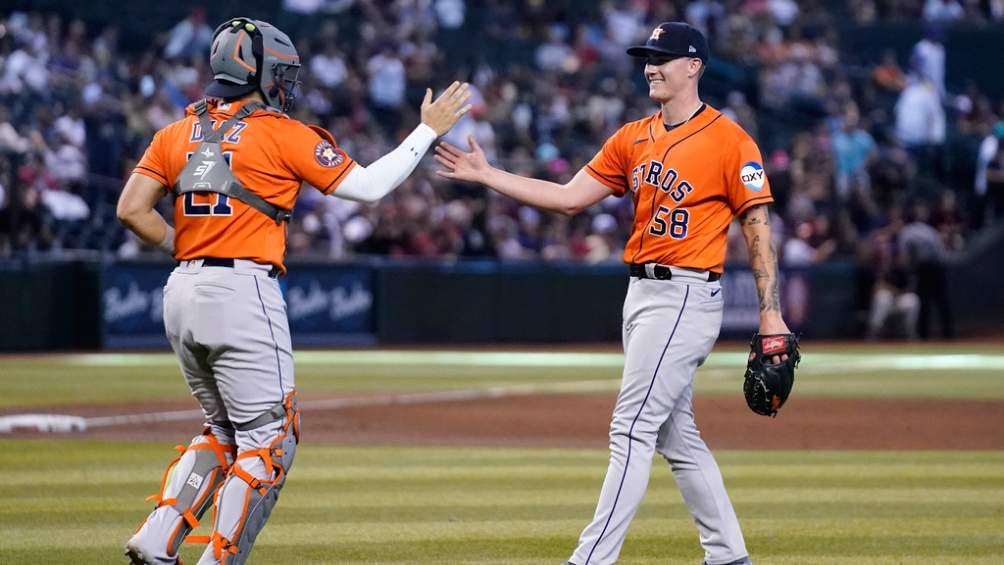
pixel 752 175
pixel 327 155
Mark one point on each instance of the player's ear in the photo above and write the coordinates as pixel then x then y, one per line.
pixel 696 68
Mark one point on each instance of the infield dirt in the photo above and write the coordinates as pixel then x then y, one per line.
pixel 581 420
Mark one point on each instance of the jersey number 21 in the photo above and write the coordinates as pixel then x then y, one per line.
pixel 220 205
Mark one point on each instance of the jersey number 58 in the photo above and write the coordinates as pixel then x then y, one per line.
pixel 676 225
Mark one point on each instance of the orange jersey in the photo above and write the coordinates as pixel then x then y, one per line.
pixel 687 185
pixel 270 154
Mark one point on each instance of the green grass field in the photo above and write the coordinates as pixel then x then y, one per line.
pixel 77 501
pixel 909 371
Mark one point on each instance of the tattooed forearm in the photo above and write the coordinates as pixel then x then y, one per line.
pixel 767 290
pixel 757 215
pixel 763 258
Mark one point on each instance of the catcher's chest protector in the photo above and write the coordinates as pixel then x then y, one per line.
pixel 207 171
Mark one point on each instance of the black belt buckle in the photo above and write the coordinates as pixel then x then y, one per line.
pixel 662 273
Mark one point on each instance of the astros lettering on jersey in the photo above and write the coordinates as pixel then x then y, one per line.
pixel 687 185
pixel 270 162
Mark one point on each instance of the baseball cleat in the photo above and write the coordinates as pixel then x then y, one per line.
pixel 135 556
pixel 743 561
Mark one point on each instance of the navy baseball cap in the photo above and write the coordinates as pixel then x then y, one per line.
pixel 675 39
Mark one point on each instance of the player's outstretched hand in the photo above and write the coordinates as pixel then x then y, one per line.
pixel 447 109
pixel 472 167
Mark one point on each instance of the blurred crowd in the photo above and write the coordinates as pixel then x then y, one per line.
pixel 863 158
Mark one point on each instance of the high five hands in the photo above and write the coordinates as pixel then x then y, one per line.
pixel 463 166
pixel 442 114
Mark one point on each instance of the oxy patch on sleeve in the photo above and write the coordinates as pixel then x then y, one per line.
pixel 752 176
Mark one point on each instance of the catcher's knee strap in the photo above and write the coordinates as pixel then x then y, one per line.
pixel 286 409
pixel 263 483
pixel 191 480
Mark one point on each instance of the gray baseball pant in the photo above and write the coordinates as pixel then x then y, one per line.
pixel 669 329
pixel 228 327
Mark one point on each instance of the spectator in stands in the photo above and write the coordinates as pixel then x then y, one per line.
pixel 190 37
pixel 28 228
pixel 864 11
pixel 996 10
pixel 706 15
pixel 741 112
pixel 948 219
pixel 450 14
pixel 891 312
pixel 624 21
pixel 386 88
pixel 10 140
pixel 928 57
pixel 924 255
pixel 328 66
pixel 123 94
pixel 25 70
pixel 920 123
pixel 555 55
pixel 943 11
pixel 989 182
pixel 65 161
pixel 888 75
pixel 894 307
pixel 995 182
pixel 853 152
pixel 802 250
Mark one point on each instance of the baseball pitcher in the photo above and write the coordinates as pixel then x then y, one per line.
pixel 689 170
pixel 234 165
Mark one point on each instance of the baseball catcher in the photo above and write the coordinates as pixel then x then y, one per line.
pixel 770 372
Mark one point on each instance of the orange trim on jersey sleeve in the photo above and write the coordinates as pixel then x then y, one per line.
pixel 156 162
pixel 610 164
pixel 313 155
pixel 765 199
pixel 325 134
pixel 616 186
pixel 148 172
pixel 333 185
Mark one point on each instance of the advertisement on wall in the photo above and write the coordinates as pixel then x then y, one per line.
pixel 331 305
pixel 326 305
pixel 132 305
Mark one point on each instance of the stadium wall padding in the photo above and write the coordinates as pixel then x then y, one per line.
pixel 68 305
pixel 49 305
pixel 975 287
pixel 74 305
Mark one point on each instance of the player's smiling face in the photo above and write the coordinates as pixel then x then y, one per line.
pixel 666 76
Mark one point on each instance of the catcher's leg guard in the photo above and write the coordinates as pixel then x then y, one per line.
pixel 189 485
pixel 266 446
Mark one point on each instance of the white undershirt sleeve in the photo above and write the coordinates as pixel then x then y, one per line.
pixel 369 184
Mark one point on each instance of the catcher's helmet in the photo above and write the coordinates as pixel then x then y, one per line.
pixel 249 55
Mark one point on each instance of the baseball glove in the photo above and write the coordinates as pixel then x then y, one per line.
pixel 768 384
